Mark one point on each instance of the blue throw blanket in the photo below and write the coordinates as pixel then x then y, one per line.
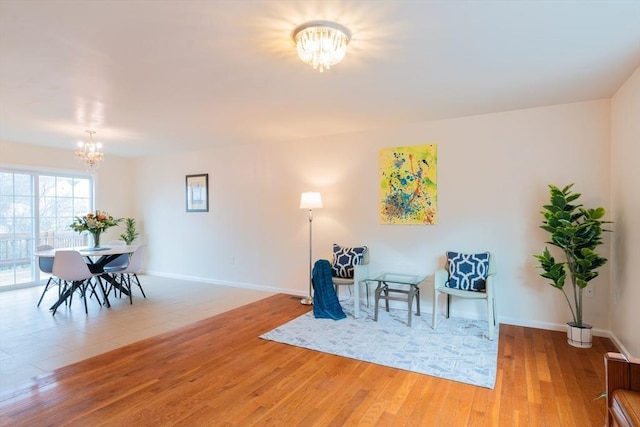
pixel 325 300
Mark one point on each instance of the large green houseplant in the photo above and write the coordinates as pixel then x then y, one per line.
pixel 577 231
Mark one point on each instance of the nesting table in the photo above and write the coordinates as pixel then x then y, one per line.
pixel 397 287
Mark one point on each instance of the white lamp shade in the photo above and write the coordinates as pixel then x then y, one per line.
pixel 310 200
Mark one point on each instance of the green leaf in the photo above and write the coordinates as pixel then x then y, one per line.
pixel 572 197
pixel 558 201
pixel 601 395
pixel 567 188
pixel 596 213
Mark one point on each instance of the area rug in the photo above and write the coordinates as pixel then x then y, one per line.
pixel 457 350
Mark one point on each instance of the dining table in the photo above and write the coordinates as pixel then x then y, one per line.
pixel 97 259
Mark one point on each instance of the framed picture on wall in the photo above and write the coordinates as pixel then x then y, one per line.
pixel 197 193
pixel 408 185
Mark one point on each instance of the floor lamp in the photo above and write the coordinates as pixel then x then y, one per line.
pixel 310 200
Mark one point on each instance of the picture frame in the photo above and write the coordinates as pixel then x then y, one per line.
pixel 408 185
pixel 197 193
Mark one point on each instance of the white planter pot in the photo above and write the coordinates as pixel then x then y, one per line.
pixel 579 337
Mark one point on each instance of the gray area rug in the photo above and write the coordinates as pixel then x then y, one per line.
pixel 457 350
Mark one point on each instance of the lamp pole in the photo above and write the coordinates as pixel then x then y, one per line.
pixel 310 200
pixel 308 300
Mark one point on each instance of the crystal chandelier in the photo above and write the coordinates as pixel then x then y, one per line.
pixel 321 44
pixel 89 152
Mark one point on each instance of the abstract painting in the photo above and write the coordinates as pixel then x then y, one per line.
pixel 408 186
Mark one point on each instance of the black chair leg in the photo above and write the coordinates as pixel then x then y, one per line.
pixel 139 285
pixel 128 280
pixel 105 293
pixel 70 293
pixel 61 289
pixel 448 303
pixel 93 290
pixel 45 291
pixel 83 292
pixel 66 290
pixel 123 284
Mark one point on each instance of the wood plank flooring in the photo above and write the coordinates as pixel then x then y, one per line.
pixel 217 372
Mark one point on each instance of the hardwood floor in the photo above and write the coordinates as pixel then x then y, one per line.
pixel 33 341
pixel 218 372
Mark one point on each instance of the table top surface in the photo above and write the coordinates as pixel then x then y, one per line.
pixel 398 278
pixel 89 251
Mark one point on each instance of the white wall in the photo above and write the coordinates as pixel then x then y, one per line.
pixel 625 201
pixel 113 181
pixel 493 173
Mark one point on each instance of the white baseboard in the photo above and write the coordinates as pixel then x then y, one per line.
pixel 227 283
pixel 398 305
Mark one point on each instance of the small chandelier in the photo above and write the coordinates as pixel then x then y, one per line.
pixel 321 44
pixel 89 152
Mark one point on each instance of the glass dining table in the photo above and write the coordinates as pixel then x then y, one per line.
pixel 97 259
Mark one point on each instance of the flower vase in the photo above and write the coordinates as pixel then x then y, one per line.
pixel 96 239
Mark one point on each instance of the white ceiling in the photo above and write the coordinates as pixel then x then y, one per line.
pixel 156 76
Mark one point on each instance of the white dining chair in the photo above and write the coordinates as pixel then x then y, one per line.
pixel 125 274
pixel 45 264
pixel 119 262
pixel 70 267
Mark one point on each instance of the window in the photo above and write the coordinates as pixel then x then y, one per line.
pixel 36 208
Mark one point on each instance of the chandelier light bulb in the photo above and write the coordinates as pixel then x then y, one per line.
pixel 89 152
pixel 321 44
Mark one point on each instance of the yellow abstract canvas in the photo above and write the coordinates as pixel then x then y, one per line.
pixel 408 186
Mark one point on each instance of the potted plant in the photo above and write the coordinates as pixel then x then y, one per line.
pixel 577 231
pixel 130 233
